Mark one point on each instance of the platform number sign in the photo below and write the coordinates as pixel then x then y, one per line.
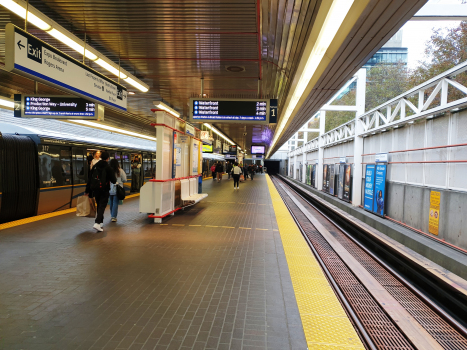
pixel 273 111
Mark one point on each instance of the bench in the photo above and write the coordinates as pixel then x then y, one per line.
pixel 189 191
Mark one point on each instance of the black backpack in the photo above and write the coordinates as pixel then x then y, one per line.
pixel 98 180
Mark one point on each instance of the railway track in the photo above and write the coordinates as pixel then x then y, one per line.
pixel 387 310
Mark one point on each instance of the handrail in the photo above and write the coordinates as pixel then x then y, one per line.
pixel 176 178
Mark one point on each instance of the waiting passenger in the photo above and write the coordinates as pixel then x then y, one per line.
pixel 121 178
pixel 96 158
pixel 252 170
pixel 213 171
pixel 236 172
pixel 219 171
pixel 136 175
pixel 98 186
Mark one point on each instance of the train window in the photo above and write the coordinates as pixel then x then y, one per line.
pixel 147 165
pixel 65 160
pixel 50 170
pixel 79 166
pixel 126 164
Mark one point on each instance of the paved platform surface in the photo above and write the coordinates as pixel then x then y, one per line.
pixel 212 277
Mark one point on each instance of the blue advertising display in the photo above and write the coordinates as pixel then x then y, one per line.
pixel 369 187
pixel 380 189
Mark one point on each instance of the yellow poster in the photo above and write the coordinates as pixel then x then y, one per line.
pixel 433 221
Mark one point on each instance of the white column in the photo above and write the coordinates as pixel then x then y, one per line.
pixel 358 143
pixel 322 125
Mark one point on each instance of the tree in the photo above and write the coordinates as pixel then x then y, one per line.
pixel 445 49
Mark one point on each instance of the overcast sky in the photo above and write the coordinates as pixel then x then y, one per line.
pixel 416 33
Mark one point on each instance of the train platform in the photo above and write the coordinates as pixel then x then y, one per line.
pixel 232 272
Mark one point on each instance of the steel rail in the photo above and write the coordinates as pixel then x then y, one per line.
pixel 443 314
pixel 348 308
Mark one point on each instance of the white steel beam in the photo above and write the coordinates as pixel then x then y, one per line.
pixel 441 12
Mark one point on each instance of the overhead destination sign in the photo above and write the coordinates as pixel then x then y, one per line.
pixel 29 56
pixel 57 107
pixel 254 111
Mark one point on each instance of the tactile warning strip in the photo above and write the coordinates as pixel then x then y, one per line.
pixel 325 323
pixel 45 216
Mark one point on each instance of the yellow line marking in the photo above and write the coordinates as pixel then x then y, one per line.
pixel 194 225
pixel 245 228
pixel 262 229
pixel 163 224
pixel 324 320
pixel 211 226
pixel 44 216
pixel 178 224
pixel 227 227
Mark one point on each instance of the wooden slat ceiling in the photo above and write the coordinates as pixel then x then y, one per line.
pixel 171 45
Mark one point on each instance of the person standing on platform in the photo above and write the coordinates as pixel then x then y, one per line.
pixel 228 169
pixel 219 170
pixel 96 159
pixel 121 178
pixel 98 186
pixel 252 171
pixel 213 171
pixel 135 175
pixel 236 172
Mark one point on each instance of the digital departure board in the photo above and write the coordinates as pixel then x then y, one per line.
pixel 59 107
pixel 229 111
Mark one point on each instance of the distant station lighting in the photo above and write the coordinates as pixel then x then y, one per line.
pixel 45 23
pixel 112 129
pixel 168 109
pixel 219 133
pixel 131 92
pixel 6 103
pixel 331 25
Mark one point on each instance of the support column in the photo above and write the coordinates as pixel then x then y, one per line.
pixel 303 179
pixel 358 143
pixel 322 127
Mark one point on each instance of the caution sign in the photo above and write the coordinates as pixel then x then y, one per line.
pixel 433 223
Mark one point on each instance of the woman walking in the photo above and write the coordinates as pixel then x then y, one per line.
pixel 121 178
pixel 236 171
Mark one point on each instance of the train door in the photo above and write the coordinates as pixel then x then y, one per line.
pixel 79 167
pixel 126 166
pixel 55 178
pixel 136 171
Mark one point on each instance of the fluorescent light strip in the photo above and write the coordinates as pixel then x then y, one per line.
pixel 63 36
pixel 166 108
pixel 111 128
pixel 7 103
pixel 331 25
pixel 219 133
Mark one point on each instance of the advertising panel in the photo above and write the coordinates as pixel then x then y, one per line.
pixel 369 187
pixel 433 219
pixel 325 176
pixel 380 189
pixel 340 182
pixel 207 148
pixel 313 176
pixel 257 149
pixel 347 182
pixel 307 180
pixel 331 179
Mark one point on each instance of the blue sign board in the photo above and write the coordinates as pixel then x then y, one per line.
pixel 380 189
pixel 369 187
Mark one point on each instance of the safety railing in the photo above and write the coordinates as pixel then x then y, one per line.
pixel 343 133
pixel 401 110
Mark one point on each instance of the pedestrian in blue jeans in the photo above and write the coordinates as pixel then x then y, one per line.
pixel 113 199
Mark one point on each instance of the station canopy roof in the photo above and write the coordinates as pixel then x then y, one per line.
pixel 242 49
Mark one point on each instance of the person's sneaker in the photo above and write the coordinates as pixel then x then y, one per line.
pixel 98 227
pixel 113 219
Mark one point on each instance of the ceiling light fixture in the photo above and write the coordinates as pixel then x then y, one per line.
pixel 111 128
pixel 61 34
pixel 131 93
pixel 331 25
pixel 6 103
pixel 167 108
pixel 219 133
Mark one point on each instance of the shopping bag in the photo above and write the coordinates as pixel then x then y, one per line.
pixel 242 178
pixel 85 207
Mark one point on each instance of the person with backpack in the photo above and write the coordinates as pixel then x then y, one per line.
pixel 121 178
pixel 219 171
pixel 98 186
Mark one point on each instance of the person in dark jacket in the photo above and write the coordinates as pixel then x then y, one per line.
pixel 219 171
pixel 252 171
pixel 229 169
pixel 104 171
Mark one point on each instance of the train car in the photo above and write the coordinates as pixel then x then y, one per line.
pixel 45 173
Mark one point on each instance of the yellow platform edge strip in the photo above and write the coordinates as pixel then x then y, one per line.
pixel 325 322
pixel 45 216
